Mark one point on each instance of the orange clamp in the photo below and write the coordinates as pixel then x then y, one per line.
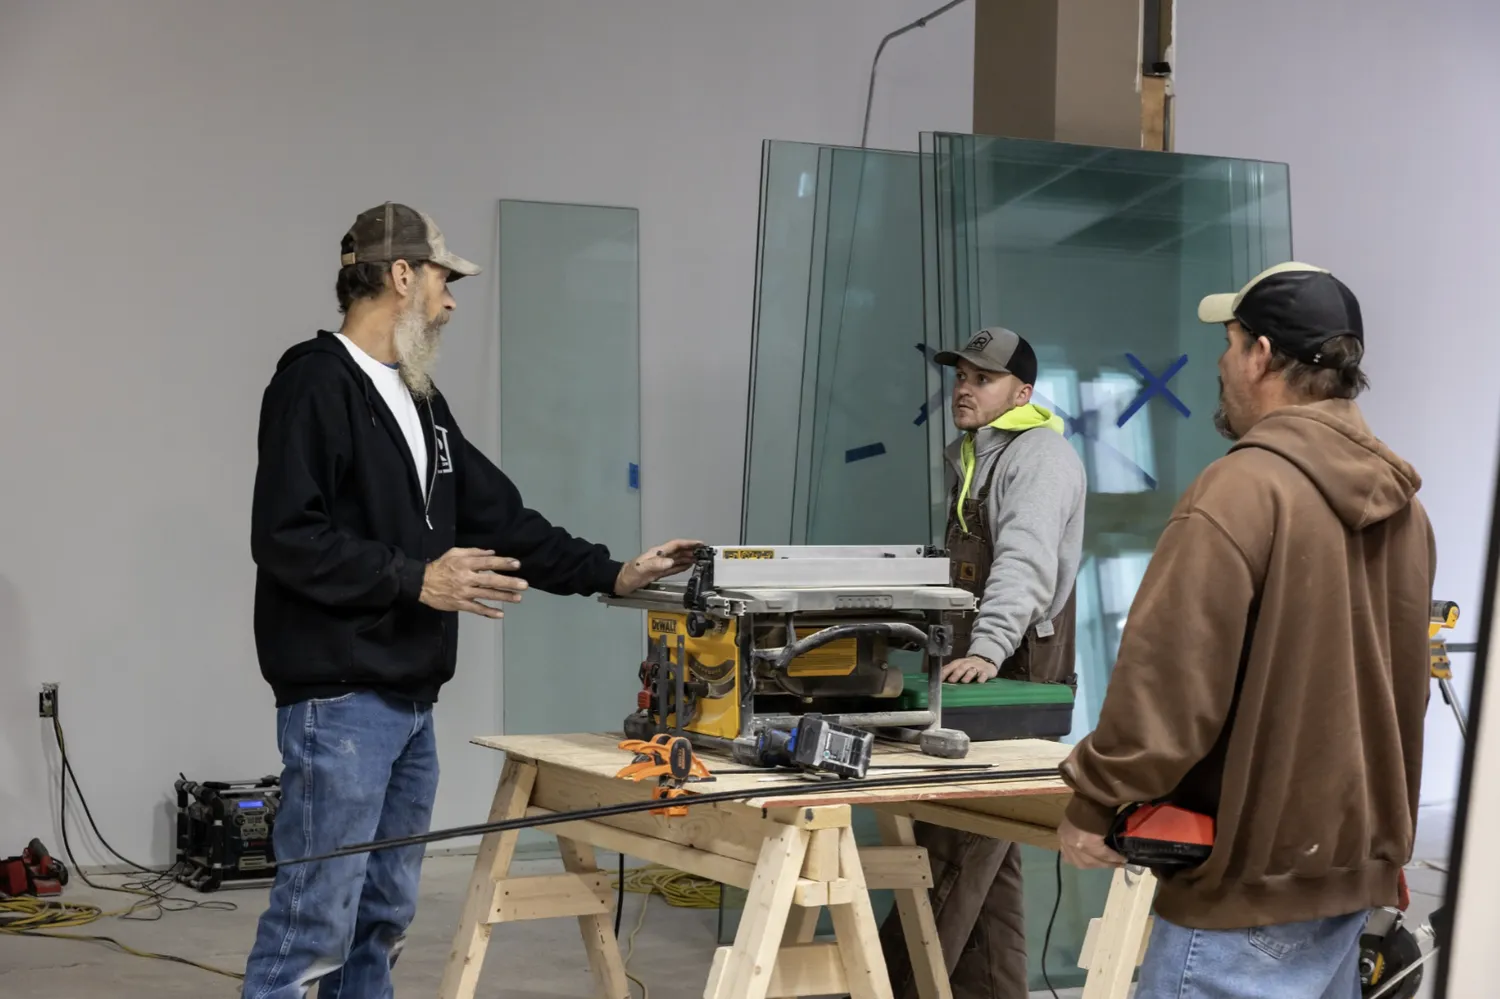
pixel 671 760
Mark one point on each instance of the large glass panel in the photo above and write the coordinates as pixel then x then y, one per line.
pixel 837 441
pixel 784 274
pixel 569 327
pixel 1099 257
pixel 838 387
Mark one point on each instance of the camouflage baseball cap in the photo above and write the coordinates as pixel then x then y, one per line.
pixel 394 232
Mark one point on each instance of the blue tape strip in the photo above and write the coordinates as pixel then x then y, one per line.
pixel 861 453
pixel 635 476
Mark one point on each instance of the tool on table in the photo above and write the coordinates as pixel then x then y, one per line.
pixel 816 745
pixel 34 872
pixel 1161 837
pixel 1389 952
pixel 1444 618
pixel 671 760
pixel 1386 949
pixel 760 636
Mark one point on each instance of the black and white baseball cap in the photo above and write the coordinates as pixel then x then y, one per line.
pixel 995 349
pixel 1296 306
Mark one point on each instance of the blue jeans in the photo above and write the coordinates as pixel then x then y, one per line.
pixel 355 768
pixel 1312 960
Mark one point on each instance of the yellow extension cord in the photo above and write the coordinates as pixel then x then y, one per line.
pixel 680 889
pixel 26 916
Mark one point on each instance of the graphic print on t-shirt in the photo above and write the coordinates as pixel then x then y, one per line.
pixel 444 458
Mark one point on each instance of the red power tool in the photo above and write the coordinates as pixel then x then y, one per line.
pixel 1162 837
pixel 34 872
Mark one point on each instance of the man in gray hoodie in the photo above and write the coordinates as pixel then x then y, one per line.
pixel 1015 538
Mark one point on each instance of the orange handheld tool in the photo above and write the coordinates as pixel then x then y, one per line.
pixel 1162 837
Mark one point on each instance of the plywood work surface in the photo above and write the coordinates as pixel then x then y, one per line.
pixel 598 754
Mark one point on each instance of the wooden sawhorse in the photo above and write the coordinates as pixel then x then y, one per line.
pixel 793 856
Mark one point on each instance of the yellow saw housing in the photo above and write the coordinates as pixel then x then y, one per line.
pixel 712 653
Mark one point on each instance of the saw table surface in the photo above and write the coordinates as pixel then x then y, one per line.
pixel 795 855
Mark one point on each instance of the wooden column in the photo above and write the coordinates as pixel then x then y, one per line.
pixel 1071 71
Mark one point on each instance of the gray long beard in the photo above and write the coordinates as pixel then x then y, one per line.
pixel 416 349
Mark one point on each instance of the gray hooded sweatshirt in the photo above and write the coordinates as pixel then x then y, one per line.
pixel 1035 514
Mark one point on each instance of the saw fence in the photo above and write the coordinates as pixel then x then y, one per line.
pixel 794 857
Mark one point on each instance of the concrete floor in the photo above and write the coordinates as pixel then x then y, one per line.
pixel 538 960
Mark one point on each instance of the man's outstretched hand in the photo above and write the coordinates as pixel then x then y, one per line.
pixel 657 563
pixel 464 576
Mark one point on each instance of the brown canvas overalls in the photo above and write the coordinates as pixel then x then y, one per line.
pixel 976 881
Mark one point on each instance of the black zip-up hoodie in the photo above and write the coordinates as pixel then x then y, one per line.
pixel 341 534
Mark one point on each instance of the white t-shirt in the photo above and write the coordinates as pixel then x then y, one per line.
pixel 398 398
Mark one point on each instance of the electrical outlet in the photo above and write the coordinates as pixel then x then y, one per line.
pixel 47 701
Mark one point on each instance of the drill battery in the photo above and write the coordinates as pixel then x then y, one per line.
pixel 1162 837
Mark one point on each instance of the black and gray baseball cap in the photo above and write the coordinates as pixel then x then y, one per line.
pixel 995 349
pixel 394 232
pixel 1296 306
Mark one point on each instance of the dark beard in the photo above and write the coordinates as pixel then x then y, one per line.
pixel 1221 418
pixel 1221 424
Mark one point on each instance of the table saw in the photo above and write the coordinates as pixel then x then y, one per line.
pixel 758 636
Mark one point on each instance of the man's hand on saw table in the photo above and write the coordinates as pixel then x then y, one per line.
pixel 970 669
pixel 657 563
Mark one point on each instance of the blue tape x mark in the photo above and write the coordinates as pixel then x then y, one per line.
pixel 1088 426
pixel 1155 385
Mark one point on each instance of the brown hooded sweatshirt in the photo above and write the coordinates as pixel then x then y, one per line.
pixel 1273 673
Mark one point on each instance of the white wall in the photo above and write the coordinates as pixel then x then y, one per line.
pixel 1385 111
pixel 177 176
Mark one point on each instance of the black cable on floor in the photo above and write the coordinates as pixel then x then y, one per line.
pixel 39 918
pixel 155 887
pixel 1047 940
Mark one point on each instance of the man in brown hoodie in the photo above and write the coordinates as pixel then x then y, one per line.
pixel 1273 672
